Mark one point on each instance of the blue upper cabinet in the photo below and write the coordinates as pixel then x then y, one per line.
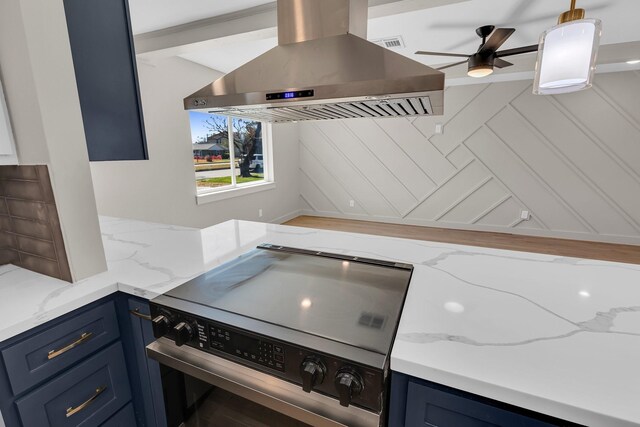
pixel 107 79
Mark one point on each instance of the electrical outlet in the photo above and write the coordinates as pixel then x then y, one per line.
pixel 352 204
pixel 525 215
pixel 439 128
pixel 259 213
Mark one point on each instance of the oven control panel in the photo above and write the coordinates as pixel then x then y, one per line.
pixel 347 382
pixel 252 349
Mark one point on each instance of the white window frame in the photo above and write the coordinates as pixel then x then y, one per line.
pixel 208 195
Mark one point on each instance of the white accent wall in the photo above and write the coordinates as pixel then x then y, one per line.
pixel 572 161
pixel 162 189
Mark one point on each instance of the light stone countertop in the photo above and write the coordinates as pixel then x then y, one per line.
pixel 555 335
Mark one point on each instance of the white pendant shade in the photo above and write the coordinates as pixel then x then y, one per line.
pixel 567 57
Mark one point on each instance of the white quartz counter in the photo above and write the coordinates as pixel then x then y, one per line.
pixel 555 335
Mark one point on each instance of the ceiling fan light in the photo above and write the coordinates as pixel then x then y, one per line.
pixel 480 71
pixel 567 57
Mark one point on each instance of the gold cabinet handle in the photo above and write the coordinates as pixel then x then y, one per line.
pixel 137 313
pixel 72 411
pixel 55 353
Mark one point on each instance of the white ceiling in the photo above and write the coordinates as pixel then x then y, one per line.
pixel 152 15
pixel 449 28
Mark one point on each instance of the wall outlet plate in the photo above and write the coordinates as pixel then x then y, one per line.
pixel 525 215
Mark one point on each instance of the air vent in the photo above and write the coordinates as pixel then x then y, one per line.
pixel 390 42
pixel 393 107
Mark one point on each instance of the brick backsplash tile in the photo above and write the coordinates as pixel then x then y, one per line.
pixel 30 233
pixel 39 265
pixel 36 247
pixel 25 227
pixel 9 256
pixel 25 190
pixel 7 240
pixel 19 172
pixel 5 223
pixel 58 241
pixel 27 209
pixel 45 184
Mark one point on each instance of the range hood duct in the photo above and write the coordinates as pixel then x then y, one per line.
pixel 324 68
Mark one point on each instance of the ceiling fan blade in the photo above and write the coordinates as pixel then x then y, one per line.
pixel 501 63
pixel 517 50
pixel 452 65
pixel 423 52
pixel 496 39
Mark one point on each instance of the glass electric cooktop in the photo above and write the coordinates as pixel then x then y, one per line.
pixel 351 300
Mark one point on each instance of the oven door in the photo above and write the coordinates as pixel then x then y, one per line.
pixel 205 390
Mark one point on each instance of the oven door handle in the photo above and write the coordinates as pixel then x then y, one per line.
pixel 264 389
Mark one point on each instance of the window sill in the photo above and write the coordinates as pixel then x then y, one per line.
pixel 215 196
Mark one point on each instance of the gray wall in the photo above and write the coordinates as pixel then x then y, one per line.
pixel 162 189
pixel 573 161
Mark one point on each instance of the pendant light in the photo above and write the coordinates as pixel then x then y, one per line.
pixel 567 54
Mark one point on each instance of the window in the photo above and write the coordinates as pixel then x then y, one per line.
pixel 228 152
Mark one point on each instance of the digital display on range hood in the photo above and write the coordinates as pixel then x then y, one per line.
pixel 290 95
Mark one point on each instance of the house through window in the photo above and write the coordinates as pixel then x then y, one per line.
pixel 228 152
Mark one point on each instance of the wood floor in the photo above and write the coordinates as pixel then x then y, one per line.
pixel 545 245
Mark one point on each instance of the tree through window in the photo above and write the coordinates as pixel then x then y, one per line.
pixel 219 163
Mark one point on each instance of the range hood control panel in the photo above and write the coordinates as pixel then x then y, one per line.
pixel 290 95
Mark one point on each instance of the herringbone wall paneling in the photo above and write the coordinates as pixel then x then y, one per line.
pixel 572 161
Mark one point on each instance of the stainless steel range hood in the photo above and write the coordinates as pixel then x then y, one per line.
pixel 324 68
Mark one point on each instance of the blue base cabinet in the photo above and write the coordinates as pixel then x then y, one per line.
pixel 87 368
pixel 146 383
pixel 420 403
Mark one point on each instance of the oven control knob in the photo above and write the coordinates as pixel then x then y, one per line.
pixel 313 372
pixel 160 325
pixel 349 385
pixel 183 333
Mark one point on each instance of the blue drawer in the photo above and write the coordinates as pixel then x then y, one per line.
pixel 44 355
pixel 125 417
pixel 87 395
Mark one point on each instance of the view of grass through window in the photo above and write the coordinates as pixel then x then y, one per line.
pixel 220 164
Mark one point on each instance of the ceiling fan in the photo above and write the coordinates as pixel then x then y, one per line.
pixel 482 62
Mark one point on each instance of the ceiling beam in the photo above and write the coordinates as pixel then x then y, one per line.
pixel 256 23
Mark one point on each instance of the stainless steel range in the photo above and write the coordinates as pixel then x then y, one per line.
pixel 280 336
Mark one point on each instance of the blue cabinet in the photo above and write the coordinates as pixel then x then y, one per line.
pixel 124 418
pixel 419 403
pixel 107 79
pixel 71 371
pixel 47 353
pixel 86 395
pixel 134 314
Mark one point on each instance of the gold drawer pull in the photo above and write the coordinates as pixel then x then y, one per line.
pixel 55 353
pixel 72 411
pixel 136 312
